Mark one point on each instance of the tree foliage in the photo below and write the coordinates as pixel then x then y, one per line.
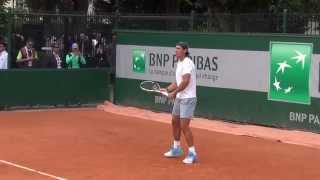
pixel 253 6
pixel 180 6
pixel 3 18
pixel 3 3
pixel 61 5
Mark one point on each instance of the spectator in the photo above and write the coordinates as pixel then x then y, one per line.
pixel 27 55
pixel 99 37
pixel 3 56
pixel 55 60
pixel 85 45
pixel 75 59
pixel 100 57
pixel 18 41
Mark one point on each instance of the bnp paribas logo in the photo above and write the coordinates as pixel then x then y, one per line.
pixel 138 60
pixel 290 71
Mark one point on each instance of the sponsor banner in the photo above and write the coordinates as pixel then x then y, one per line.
pixel 290 72
pixel 304 119
pixel 232 69
pixel 215 68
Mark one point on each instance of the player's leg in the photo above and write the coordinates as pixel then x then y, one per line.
pixel 186 114
pixel 185 126
pixel 176 129
pixel 192 155
pixel 175 150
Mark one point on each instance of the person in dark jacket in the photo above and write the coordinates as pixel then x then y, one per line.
pixel 55 59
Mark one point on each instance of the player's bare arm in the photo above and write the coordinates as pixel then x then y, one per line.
pixel 173 86
pixel 182 86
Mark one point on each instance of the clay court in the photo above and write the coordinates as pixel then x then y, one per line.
pixel 95 144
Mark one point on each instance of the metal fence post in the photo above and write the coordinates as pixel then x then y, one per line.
pixel 116 19
pixel 284 20
pixel 192 20
pixel 9 37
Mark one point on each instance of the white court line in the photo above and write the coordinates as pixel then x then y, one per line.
pixel 32 170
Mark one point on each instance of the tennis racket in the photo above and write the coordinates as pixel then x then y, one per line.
pixel 151 86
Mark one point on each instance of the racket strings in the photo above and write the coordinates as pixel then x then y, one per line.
pixel 156 86
pixel 151 86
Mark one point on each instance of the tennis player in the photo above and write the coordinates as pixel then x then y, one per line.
pixel 183 91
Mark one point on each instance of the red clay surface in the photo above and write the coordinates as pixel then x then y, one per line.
pixel 92 144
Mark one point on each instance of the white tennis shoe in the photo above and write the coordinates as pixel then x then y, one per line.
pixel 190 159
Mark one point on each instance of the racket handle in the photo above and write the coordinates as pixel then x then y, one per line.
pixel 164 93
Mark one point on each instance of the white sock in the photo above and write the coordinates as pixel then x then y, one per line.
pixel 192 150
pixel 176 144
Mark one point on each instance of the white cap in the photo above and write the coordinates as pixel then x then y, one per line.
pixel 75 46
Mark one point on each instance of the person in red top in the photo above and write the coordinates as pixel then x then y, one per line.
pixel 27 55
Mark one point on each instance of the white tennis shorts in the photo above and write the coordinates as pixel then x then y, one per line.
pixel 184 107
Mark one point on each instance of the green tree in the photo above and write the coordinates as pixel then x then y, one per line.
pixel 3 18
pixel 251 6
pixel 180 6
pixel 52 5
pixel 125 6
pixel 2 5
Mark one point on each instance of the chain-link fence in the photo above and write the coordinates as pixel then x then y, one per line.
pixel 93 34
pixel 307 24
